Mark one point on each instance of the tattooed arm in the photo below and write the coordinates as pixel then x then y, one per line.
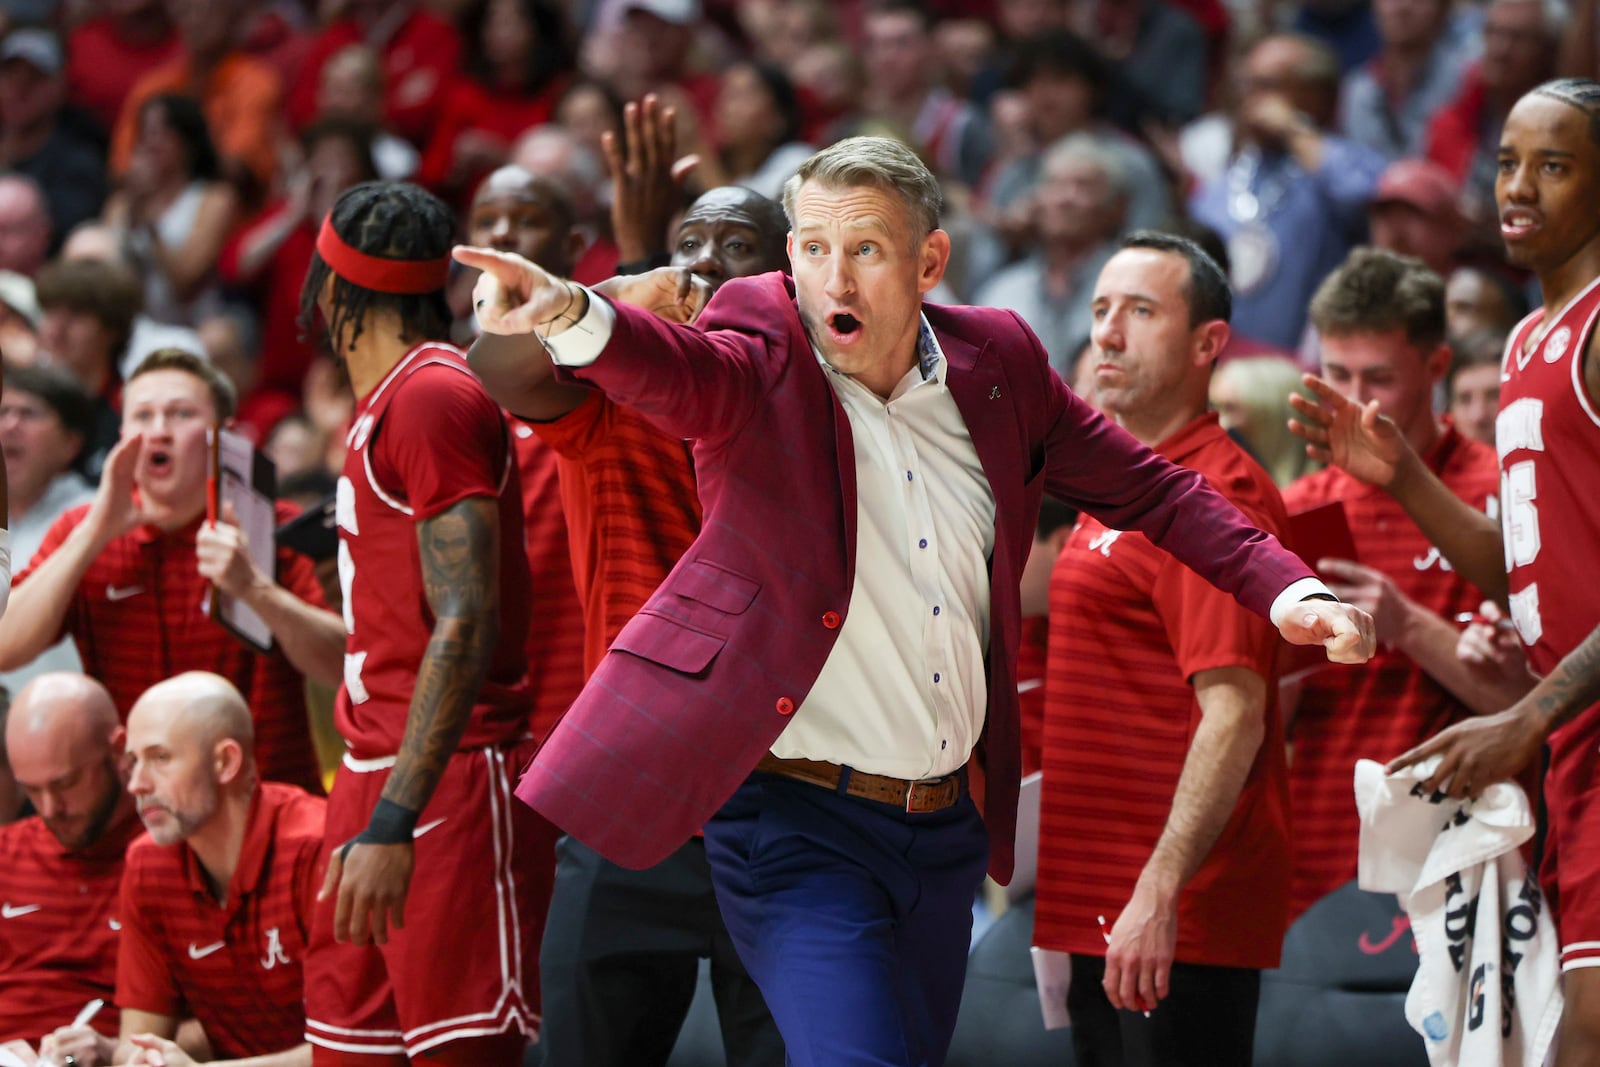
pixel 460 550
pixel 1479 752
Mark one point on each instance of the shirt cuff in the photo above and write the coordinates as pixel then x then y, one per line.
pixel 582 344
pixel 1297 591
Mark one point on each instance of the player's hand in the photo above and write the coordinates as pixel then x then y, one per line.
pixel 671 293
pixel 158 1052
pixel 371 882
pixel 1489 640
pixel 646 177
pixel 516 296
pixel 83 1044
pixel 116 508
pixel 224 559
pixel 1140 949
pixel 1371 591
pixel 1353 437
pixel 1476 753
pixel 1343 629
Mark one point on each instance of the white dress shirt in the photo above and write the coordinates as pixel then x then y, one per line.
pixel 904 690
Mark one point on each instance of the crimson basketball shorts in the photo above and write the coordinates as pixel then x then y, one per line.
pixel 466 963
pixel 1571 871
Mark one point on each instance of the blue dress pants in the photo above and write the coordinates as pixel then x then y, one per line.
pixel 854 917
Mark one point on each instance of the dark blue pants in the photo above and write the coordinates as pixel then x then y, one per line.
pixel 852 916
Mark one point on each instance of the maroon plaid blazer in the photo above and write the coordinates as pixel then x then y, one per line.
pixel 699 684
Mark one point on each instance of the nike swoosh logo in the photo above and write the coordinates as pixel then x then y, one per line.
pixel 115 926
pixel 16 911
pixel 425 827
pixel 202 953
pixel 114 592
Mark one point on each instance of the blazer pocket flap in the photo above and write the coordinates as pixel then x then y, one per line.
pixel 669 643
pixel 707 583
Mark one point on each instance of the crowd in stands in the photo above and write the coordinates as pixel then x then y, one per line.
pixel 165 168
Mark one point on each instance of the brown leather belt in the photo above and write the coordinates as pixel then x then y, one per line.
pixel 916 797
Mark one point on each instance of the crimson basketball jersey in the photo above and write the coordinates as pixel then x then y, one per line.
pixel 1548 437
pixel 426 438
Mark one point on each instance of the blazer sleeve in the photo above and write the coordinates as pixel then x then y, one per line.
pixel 1095 465
pixel 703 381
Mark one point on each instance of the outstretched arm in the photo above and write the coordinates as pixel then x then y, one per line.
pixel 460 550
pixel 1368 446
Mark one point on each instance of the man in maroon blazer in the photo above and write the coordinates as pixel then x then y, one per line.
pixel 814 675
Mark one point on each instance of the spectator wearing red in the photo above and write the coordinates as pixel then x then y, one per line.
pixel 216 901
pixel 109 52
pixel 1519 51
pixel 420 53
pixel 518 63
pixel 654 51
pixel 269 257
pixel 1414 213
pixel 1164 858
pixel 127 575
pixel 516 212
pixel 239 94
pixel 1380 319
pixel 63 865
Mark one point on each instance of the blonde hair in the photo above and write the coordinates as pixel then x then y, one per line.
pixel 876 162
pixel 1260 413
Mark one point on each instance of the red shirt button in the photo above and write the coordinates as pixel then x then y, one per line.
pixel 830 619
pixel 785 706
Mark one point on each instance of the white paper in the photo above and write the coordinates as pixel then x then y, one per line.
pixel 239 483
pixel 1025 870
pixel 1052 973
pixel 10 1059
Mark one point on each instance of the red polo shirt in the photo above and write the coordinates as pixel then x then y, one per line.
pixel 555 627
pixel 58 928
pixel 632 510
pixel 1130 627
pixel 1385 706
pixel 138 618
pixel 234 966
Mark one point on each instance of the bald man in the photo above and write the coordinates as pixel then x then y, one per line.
pixel 620 956
pixel 217 900
pixel 65 745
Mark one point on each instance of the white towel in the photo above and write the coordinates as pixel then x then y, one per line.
pixel 1488 985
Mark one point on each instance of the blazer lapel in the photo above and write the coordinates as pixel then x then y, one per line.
pixel 978 383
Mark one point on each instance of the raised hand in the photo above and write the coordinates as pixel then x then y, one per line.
pixel 1353 437
pixel 646 177
pixel 117 508
pixel 517 296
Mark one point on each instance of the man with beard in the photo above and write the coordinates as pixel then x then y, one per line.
pixel 126 576
pixel 58 952
pixel 216 902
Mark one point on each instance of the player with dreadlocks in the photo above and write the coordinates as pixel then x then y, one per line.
pixel 1548 437
pixel 434 706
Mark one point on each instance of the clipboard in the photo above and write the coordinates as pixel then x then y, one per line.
pixel 239 475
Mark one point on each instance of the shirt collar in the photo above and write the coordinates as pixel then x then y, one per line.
pixel 1191 437
pixel 259 825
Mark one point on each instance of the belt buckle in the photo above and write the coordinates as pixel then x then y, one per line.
pixel 916 791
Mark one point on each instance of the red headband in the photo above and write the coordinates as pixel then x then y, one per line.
pixel 376 273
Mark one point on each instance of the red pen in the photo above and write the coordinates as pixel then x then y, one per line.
pixel 211 476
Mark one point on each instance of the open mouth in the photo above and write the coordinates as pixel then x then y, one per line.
pixel 1517 224
pixel 158 462
pixel 843 323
